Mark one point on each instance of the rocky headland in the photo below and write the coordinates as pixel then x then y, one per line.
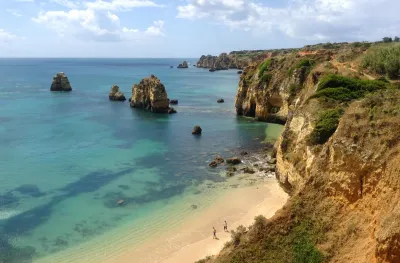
pixel 338 156
pixel 60 83
pixel 150 94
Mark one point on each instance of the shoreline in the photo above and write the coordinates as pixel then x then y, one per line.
pixel 193 240
pixel 184 234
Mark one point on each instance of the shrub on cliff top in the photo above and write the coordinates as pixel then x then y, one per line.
pixel 383 59
pixel 325 126
pixel 346 89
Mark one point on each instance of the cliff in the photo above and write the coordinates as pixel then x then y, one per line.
pixel 338 157
pixel 150 94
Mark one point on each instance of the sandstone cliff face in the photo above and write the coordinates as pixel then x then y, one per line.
pixel 345 191
pixel 60 83
pixel 222 62
pixel 150 94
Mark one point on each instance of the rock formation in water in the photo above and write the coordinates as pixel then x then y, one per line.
pixel 115 94
pixel 220 100
pixel 60 83
pixel 150 94
pixel 173 102
pixel 183 65
pixel 197 130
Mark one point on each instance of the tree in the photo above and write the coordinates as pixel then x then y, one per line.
pixel 396 39
pixel 387 39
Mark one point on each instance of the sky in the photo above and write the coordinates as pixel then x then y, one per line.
pixel 185 28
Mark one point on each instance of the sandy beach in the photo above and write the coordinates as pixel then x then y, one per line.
pixel 193 239
pixel 184 234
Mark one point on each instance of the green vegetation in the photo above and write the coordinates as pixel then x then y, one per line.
pixel 326 125
pixel 342 88
pixel 266 78
pixel 387 40
pixel 304 63
pixel 203 260
pixel 263 67
pixel 383 59
pixel 304 249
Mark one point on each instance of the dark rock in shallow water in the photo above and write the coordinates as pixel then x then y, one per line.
pixel 173 102
pixel 248 170
pixel 193 206
pixel 233 161
pixel 220 101
pixel 239 72
pixel 212 69
pixel 244 153
pixel 197 130
pixel 213 164
pixel 115 94
pixel 29 189
pixel 172 111
pixel 60 83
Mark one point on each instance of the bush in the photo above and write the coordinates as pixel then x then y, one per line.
pixel 263 67
pixel 383 59
pixel 237 235
pixel 387 39
pixel 266 78
pixel 346 89
pixel 304 250
pixel 325 126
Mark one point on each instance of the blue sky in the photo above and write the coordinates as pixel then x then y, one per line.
pixel 185 28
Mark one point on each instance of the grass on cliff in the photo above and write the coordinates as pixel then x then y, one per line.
pixel 342 88
pixel 383 60
pixel 306 63
pixel 325 126
pixel 264 67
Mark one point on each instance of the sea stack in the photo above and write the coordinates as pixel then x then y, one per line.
pixel 150 94
pixel 60 83
pixel 183 65
pixel 197 130
pixel 115 94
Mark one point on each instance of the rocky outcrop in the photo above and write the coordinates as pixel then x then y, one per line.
pixel 150 94
pixel 60 83
pixel 115 94
pixel 183 65
pixel 220 100
pixel 197 130
pixel 173 102
pixel 233 161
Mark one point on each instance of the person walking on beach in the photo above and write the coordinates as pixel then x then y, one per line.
pixel 226 226
pixel 214 233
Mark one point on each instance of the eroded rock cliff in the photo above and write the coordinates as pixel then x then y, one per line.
pixel 150 94
pixel 339 156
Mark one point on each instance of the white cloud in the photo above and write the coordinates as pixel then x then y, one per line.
pixel 122 5
pixel 303 19
pixel 97 22
pixel 66 3
pixel 15 12
pixel 156 29
pixel 6 36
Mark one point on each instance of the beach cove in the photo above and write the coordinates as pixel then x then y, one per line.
pixel 81 154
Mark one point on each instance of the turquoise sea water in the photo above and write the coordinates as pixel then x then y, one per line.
pixel 67 158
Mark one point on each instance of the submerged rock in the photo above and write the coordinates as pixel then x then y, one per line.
pixel 239 72
pixel 183 65
pixel 173 102
pixel 213 164
pixel 150 94
pixel 197 130
pixel 172 111
pixel 60 83
pixel 233 161
pixel 220 101
pixel 216 161
pixel 248 170
pixel 115 94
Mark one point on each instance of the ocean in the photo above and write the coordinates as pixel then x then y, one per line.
pixel 67 158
